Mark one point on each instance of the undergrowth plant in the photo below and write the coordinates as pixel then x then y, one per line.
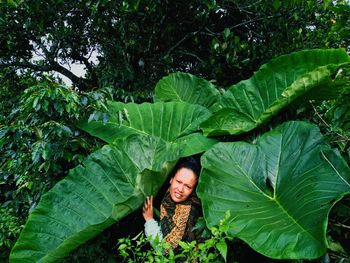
pixel 212 248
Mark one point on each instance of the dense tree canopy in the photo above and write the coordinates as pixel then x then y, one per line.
pixel 126 47
pixel 131 44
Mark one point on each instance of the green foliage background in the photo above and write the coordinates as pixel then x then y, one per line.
pixel 136 43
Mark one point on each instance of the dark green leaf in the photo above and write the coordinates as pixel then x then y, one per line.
pixel 279 191
pixel 110 184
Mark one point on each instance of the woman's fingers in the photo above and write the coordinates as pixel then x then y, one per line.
pixel 151 202
pixel 148 203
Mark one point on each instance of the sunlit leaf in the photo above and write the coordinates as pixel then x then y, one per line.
pixel 252 102
pixel 185 87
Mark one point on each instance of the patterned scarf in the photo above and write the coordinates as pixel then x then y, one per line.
pixel 178 219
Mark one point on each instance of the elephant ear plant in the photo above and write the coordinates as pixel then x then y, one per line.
pixel 278 188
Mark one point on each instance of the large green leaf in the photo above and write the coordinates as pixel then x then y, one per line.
pixel 188 88
pixel 279 191
pixel 275 85
pixel 175 122
pixel 145 141
pixel 110 184
pixel 169 121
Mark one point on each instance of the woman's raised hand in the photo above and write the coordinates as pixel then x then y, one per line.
pixel 147 210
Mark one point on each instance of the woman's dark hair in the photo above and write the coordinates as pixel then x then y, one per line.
pixel 190 162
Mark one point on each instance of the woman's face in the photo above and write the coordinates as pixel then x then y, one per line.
pixel 182 184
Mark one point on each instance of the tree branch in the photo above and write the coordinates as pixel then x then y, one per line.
pixel 254 20
pixel 26 64
pixel 82 83
pixel 180 42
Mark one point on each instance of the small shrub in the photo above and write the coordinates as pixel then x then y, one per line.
pixel 9 230
pixel 212 249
